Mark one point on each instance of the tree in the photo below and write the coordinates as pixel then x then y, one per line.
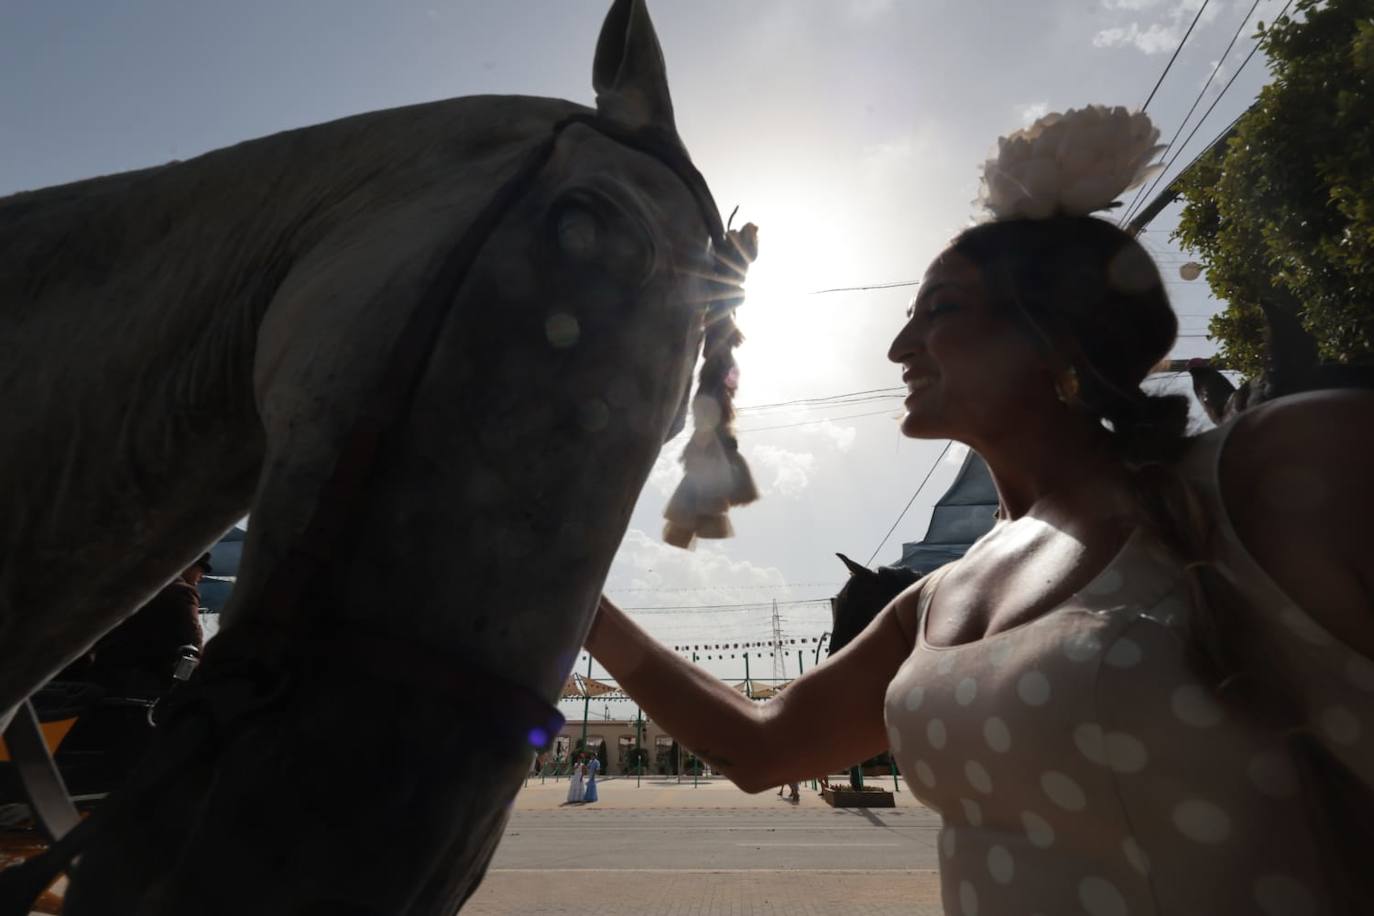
pixel 1284 211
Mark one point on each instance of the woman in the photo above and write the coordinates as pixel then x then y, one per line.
pixel 576 790
pixel 1148 689
pixel 593 767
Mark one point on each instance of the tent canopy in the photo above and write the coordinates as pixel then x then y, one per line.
pixel 965 513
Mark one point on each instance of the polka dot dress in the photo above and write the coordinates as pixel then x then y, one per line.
pixel 1080 766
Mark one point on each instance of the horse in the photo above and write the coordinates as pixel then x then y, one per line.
pixel 434 352
pixel 855 606
pixel 866 593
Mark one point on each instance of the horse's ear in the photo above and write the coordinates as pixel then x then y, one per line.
pixel 855 569
pixel 629 75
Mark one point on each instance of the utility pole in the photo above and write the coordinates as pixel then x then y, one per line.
pixel 779 659
pixel 639 730
pixel 586 701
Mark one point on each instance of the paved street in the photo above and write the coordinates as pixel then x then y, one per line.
pixel 665 848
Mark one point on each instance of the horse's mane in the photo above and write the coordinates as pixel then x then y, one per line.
pixel 80 233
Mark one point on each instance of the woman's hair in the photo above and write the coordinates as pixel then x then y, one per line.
pixel 1093 298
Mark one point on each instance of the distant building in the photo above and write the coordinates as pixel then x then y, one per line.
pixel 663 757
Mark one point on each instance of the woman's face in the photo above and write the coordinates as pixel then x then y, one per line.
pixel 969 368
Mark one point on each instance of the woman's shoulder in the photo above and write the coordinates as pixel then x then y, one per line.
pixel 910 604
pixel 1328 420
pixel 1293 478
pixel 1306 453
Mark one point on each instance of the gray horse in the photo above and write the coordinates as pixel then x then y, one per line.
pixel 183 344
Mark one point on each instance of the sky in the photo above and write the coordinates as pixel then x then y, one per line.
pixel 850 131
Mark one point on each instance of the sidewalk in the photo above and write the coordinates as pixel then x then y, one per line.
pixel 666 792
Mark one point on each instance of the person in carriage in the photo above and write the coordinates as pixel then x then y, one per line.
pixel 97 713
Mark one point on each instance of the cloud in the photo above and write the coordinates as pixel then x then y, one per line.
pixel 868 10
pixel 1032 112
pixel 1158 37
pixel 1155 39
pixel 842 437
pixel 791 470
pixel 894 153
pixel 667 469
pixel 644 563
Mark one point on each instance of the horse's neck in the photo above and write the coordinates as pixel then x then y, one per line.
pixel 129 308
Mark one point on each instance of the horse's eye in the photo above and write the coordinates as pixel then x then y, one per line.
pixel 578 231
pixel 594 231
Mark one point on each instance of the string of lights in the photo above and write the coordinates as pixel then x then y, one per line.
pixel 714 588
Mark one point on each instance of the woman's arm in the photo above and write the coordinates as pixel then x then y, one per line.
pixel 830 717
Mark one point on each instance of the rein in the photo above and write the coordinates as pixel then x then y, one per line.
pixel 248 682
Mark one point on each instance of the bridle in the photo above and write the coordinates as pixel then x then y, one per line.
pixel 248 684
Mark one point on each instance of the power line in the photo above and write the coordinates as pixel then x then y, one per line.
pixel 1192 162
pixel 819 398
pixel 855 416
pixel 859 289
pixel 765 605
pixel 1170 64
pixel 1140 192
pixel 902 515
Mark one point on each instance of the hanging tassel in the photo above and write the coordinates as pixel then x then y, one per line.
pixel 716 474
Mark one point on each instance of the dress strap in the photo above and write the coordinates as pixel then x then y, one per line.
pixel 928 589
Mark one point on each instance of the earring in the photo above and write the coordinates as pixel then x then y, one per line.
pixel 1066 386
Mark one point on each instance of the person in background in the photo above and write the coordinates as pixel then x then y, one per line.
pixel 576 787
pixel 137 658
pixel 593 767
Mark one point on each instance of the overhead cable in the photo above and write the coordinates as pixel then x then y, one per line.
pixel 902 514
pixel 1140 192
pixel 1231 127
pixel 1184 40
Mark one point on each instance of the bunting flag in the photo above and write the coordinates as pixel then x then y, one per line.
pixel 717 647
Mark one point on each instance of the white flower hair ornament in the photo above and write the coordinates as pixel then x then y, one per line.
pixel 1069 164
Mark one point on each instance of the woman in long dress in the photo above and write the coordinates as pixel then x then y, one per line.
pixel 576 789
pixel 1150 688
pixel 593 767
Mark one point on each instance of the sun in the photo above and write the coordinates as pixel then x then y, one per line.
pixel 784 321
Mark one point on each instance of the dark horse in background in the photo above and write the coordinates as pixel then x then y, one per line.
pixel 866 593
pixel 420 346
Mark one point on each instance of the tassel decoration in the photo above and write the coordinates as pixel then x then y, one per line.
pixel 717 476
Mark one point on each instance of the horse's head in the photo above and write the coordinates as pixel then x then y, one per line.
pixel 579 266
pixel 485 329
pixel 866 593
pixel 564 364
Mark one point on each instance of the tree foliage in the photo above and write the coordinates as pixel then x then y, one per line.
pixel 1285 210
